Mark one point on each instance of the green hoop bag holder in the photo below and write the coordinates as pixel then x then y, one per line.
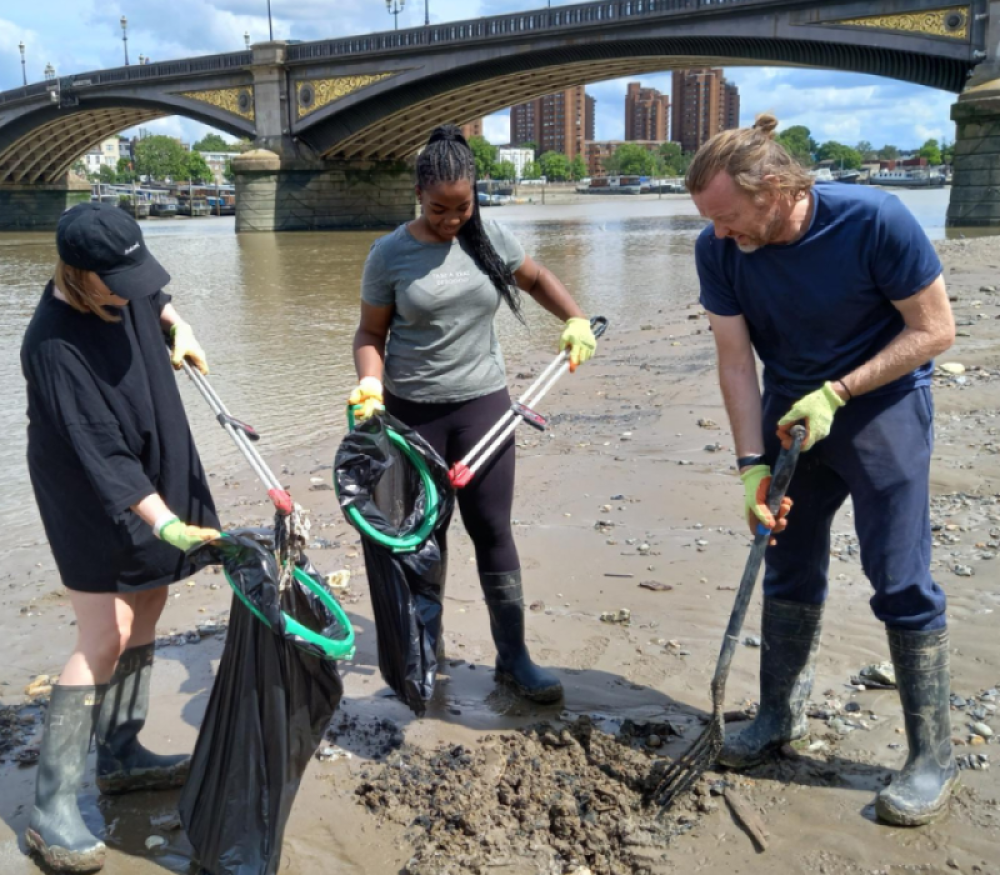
pixel 394 489
pixel 273 698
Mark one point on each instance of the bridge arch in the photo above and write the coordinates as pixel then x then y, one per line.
pixel 391 118
pixel 47 126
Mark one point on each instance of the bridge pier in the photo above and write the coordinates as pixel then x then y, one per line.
pixel 975 192
pixel 38 207
pixel 295 194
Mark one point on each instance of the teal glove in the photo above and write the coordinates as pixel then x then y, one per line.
pixel 184 537
pixel 756 482
pixel 578 337
pixel 816 411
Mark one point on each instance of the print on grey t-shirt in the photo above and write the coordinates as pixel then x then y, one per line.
pixel 442 343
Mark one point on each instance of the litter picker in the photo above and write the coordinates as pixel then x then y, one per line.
pixel 291 527
pixel 243 436
pixel 462 472
pixel 703 753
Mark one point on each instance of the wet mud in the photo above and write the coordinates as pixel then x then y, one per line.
pixel 632 484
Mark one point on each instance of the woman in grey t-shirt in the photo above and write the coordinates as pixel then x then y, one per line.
pixel 429 295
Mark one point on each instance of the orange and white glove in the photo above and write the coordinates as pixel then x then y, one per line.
pixel 366 399
pixel 756 483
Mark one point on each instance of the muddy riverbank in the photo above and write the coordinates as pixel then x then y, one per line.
pixel 633 485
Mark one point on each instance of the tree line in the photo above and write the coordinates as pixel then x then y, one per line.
pixel 629 159
pixel 799 142
pixel 160 157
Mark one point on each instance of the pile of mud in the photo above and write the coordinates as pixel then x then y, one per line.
pixel 541 800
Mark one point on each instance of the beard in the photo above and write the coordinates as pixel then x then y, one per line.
pixel 769 232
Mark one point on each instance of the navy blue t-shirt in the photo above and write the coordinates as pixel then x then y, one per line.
pixel 819 307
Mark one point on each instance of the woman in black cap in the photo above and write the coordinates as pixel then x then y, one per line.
pixel 123 497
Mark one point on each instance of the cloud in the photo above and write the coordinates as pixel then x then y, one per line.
pixel 496 128
pixel 82 35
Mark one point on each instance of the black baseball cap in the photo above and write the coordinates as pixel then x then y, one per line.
pixel 106 240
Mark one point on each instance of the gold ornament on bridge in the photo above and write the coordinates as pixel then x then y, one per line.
pixel 318 93
pixel 238 101
pixel 952 22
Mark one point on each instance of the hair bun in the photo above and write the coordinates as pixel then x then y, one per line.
pixel 766 124
pixel 448 134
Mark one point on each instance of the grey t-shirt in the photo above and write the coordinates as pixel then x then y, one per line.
pixel 442 344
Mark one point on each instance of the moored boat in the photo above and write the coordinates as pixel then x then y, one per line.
pixel 909 177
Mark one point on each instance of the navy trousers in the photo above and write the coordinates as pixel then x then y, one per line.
pixel 878 452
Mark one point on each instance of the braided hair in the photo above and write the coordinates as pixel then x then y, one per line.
pixel 448 158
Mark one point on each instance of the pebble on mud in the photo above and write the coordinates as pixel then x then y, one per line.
pixel 623 616
pixel 40 686
pixel 339 580
pixel 955 369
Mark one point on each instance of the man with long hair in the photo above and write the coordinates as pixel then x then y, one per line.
pixel 841 295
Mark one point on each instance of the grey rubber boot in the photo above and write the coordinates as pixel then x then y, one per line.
pixel 790 634
pixel 920 792
pixel 123 764
pixel 56 831
pixel 505 601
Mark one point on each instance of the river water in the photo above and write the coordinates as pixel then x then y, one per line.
pixel 277 313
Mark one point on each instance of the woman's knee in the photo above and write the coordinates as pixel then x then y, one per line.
pixel 104 626
pixel 102 649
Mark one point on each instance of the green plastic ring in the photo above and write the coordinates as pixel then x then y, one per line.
pixel 339 648
pixel 414 540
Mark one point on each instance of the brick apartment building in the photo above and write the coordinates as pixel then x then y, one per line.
pixel 561 122
pixel 703 104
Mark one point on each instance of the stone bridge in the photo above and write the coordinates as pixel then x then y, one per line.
pixel 337 121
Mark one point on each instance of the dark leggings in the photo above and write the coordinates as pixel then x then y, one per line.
pixel 453 429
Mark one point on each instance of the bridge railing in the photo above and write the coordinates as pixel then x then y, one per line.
pixel 595 14
pixel 138 73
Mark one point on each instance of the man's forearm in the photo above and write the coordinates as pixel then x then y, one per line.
pixel 907 351
pixel 741 395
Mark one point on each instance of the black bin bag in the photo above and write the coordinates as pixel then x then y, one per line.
pixel 394 488
pixel 271 704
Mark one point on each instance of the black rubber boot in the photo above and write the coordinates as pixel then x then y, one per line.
pixel 123 764
pixel 56 832
pixel 919 793
pixel 505 601
pixel 790 634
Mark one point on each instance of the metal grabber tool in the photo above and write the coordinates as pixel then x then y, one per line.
pixel 462 472
pixel 290 525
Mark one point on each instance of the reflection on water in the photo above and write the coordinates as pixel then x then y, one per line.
pixel 276 313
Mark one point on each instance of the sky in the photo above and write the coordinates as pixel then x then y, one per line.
pixel 81 35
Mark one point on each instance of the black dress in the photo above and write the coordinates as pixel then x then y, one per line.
pixel 106 428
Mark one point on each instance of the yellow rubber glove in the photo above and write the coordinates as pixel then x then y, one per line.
pixel 816 412
pixel 184 537
pixel 186 347
pixel 366 399
pixel 756 482
pixel 580 340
